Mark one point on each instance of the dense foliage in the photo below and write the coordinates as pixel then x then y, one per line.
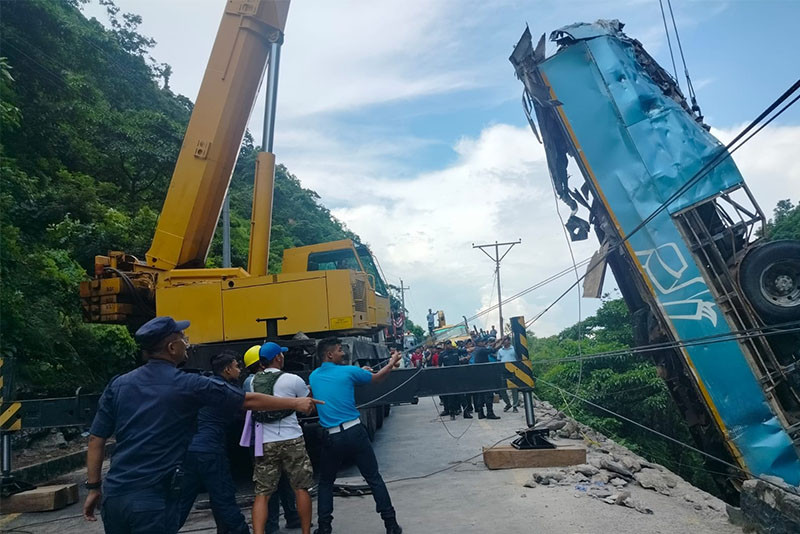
pixel 628 385
pixel 786 221
pixel 89 134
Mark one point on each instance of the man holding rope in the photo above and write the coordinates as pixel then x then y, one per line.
pixel 344 435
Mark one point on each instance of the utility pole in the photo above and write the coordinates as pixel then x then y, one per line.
pixel 497 258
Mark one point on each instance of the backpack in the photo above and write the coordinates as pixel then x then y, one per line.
pixel 264 382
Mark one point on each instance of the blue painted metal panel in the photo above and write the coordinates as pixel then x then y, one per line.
pixel 641 146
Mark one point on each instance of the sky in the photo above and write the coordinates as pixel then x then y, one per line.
pixel 405 117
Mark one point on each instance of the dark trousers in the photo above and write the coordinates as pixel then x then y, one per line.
pixel 452 404
pixel 481 400
pixel 283 496
pixel 147 511
pixel 350 444
pixel 503 394
pixel 466 402
pixel 212 472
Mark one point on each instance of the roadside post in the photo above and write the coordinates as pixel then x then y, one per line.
pixel 519 338
pixel 10 421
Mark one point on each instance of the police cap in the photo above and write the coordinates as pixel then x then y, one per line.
pixel 154 330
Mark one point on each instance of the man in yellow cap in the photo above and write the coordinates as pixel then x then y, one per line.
pixel 284 495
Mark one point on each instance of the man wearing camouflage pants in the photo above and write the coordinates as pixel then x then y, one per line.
pixel 279 444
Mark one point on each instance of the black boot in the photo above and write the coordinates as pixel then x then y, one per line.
pixel 391 526
pixel 480 414
pixel 324 528
pixel 443 413
pixel 490 415
pixel 467 415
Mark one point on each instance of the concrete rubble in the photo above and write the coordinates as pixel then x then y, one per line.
pixel 613 473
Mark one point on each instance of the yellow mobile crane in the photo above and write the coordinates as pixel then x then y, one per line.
pixel 326 288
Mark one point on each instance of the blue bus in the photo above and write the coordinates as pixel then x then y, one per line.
pixel 683 236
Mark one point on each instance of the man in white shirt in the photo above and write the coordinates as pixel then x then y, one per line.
pixel 283 447
pixel 506 353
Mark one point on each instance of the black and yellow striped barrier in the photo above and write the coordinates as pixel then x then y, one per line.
pixel 10 415
pixel 521 374
pixel 521 371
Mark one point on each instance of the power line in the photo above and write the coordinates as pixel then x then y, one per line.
pixel 739 335
pixel 534 287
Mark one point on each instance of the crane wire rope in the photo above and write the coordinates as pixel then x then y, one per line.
pixel 579 331
pixel 692 94
pixel 721 156
pixel 669 43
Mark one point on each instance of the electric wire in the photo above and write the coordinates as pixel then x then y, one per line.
pixel 61 79
pixel 534 287
pixel 738 335
pixel 491 296
pixel 726 152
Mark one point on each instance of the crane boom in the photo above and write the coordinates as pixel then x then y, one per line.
pixel 238 60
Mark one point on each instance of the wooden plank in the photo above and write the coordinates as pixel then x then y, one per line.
pixel 507 457
pixel 41 499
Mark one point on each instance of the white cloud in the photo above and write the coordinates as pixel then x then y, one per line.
pixel 769 163
pixel 423 226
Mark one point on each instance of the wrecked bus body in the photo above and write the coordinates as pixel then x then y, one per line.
pixel 680 230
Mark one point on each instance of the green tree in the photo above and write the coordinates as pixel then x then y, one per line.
pixel 786 221
pixel 625 384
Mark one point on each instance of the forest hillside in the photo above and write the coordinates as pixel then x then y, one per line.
pixel 89 137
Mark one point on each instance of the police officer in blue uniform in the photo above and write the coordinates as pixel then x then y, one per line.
pixel 206 463
pixel 152 412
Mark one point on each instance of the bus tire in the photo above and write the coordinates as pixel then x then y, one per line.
pixel 770 278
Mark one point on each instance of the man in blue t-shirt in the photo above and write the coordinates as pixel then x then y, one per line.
pixel 344 435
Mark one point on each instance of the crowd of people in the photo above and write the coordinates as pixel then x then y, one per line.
pixel 170 429
pixel 481 347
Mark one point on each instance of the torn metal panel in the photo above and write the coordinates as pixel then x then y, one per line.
pixel 536 95
pixel 596 273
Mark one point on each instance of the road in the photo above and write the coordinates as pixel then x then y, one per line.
pixel 465 498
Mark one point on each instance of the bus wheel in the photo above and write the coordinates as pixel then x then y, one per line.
pixel 770 279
